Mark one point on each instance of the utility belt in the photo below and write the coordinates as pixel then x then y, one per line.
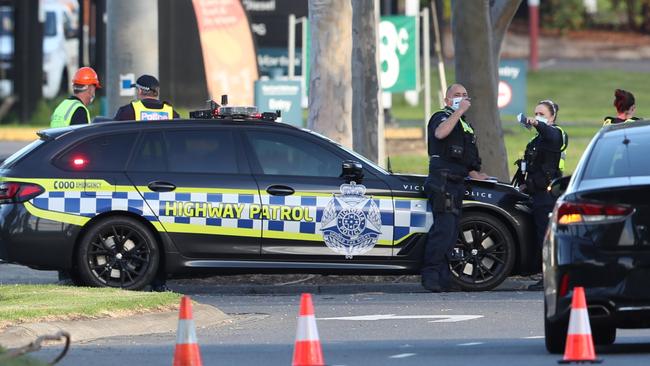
pixel 453 172
pixel 444 198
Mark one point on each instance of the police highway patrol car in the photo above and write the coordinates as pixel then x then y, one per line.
pixel 117 203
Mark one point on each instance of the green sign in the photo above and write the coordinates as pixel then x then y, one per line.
pixel 398 53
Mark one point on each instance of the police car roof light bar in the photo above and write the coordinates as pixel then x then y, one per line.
pixel 223 110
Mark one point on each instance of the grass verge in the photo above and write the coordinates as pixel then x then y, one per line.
pixel 583 95
pixel 36 303
pixel 20 361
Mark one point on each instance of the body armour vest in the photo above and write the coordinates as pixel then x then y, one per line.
pixel 458 147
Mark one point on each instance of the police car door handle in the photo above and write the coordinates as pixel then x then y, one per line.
pixel 158 186
pixel 278 190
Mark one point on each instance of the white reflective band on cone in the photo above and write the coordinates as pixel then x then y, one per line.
pixel 186 334
pixel 579 322
pixel 307 328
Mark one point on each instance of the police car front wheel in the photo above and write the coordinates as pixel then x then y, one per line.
pixel 484 253
pixel 118 252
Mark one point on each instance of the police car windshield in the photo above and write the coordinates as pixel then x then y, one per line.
pixel 356 154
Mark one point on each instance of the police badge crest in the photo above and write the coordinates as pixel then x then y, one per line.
pixel 351 221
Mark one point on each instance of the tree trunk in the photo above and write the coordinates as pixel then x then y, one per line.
pixel 365 83
pixel 330 90
pixel 478 28
pixel 631 14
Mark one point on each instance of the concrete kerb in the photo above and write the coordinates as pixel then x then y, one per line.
pixel 29 133
pixel 19 133
pixel 87 330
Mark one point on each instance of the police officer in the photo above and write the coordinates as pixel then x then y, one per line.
pixel 625 108
pixel 147 106
pixel 74 111
pixel 544 162
pixel 452 156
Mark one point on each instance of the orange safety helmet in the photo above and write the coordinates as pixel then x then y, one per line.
pixel 86 76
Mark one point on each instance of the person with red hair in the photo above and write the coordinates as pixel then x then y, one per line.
pixel 625 108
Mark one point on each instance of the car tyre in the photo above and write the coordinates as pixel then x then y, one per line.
pixel 604 335
pixel 484 253
pixel 118 252
pixel 555 333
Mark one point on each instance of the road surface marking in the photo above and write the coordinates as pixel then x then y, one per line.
pixel 402 355
pixel 470 344
pixel 534 337
pixel 437 318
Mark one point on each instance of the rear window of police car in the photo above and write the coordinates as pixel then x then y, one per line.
pixel 102 153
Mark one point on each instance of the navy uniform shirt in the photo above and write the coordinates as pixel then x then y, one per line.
pixel 127 113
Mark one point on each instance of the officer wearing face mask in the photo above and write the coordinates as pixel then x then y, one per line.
pixel 453 156
pixel 74 111
pixel 543 161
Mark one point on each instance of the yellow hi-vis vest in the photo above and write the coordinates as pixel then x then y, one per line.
pixel 62 115
pixel 565 142
pixel 143 113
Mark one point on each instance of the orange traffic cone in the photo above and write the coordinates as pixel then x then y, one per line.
pixel 579 344
pixel 187 348
pixel 307 351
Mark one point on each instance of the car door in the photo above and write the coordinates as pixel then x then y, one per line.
pixel 308 210
pixel 200 189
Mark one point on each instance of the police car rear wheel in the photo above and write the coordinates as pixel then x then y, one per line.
pixel 484 253
pixel 118 252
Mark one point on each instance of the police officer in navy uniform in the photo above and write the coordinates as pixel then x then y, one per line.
pixel 544 159
pixel 453 156
pixel 147 106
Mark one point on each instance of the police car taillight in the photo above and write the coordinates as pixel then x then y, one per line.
pixel 13 192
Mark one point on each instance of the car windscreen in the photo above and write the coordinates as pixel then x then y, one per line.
pixel 10 161
pixel 619 155
pixel 49 28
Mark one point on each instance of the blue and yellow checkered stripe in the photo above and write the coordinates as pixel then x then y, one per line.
pixel 400 217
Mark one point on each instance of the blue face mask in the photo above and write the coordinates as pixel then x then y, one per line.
pixel 541 119
pixel 455 103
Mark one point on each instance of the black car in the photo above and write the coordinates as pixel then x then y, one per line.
pixel 114 203
pixel 599 237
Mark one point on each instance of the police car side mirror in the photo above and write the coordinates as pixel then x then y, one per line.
pixel 352 171
pixel 558 186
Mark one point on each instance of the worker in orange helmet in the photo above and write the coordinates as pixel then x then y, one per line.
pixel 74 111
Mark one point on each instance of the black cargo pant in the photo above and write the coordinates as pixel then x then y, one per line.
pixel 543 204
pixel 444 231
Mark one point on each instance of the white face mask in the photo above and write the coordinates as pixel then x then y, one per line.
pixel 541 119
pixel 455 103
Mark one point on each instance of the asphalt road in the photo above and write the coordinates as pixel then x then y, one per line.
pixel 508 332
pixel 401 325
pixel 9 147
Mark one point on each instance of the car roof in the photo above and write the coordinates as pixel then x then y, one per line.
pixel 622 128
pixel 112 126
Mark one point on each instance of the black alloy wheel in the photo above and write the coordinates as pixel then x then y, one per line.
pixel 484 253
pixel 118 252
